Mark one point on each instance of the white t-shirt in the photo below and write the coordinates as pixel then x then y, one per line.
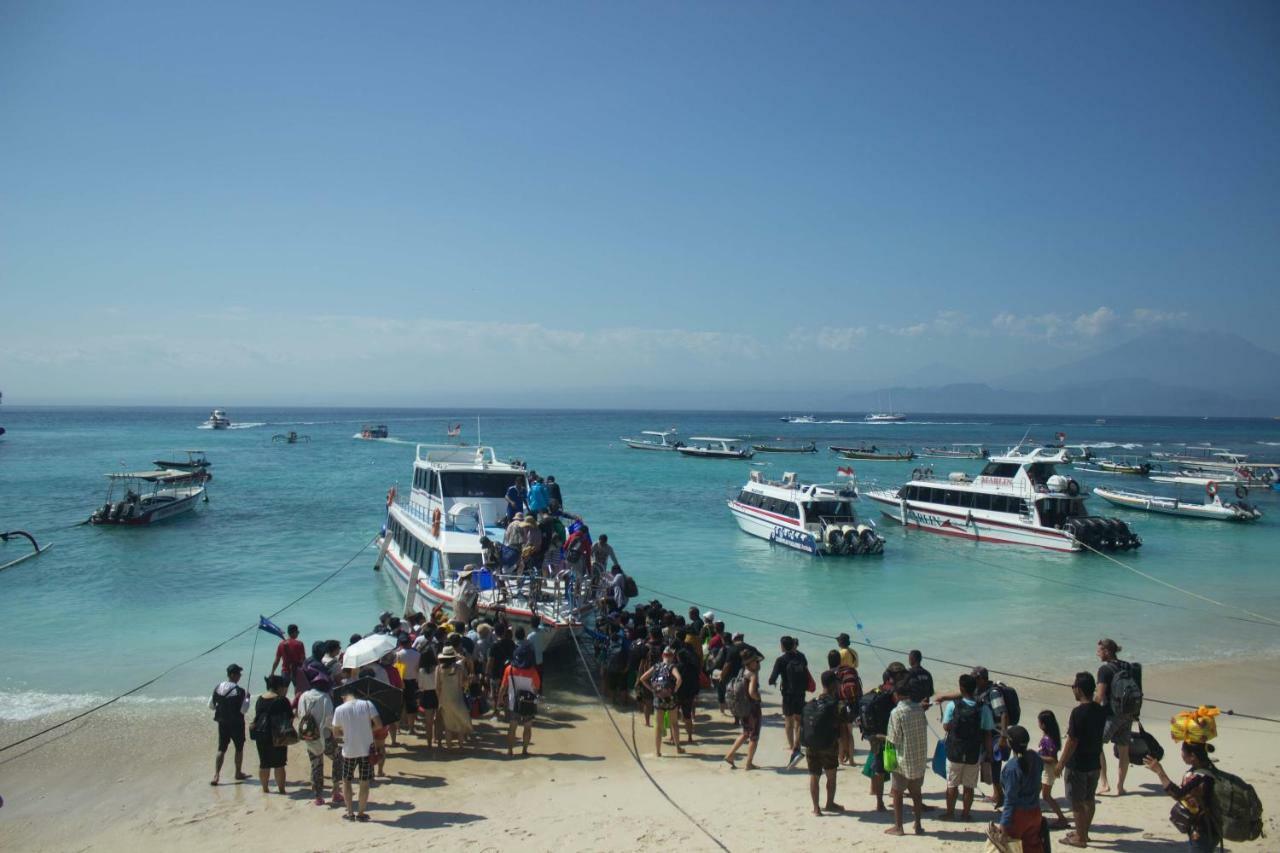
pixel 319 706
pixel 410 659
pixel 426 680
pixel 355 718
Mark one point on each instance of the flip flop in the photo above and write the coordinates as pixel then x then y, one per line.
pixel 1071 840
pixel 362 818
pixel 348 816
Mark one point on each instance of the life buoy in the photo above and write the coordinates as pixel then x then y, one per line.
pixel 391 496
pixel 1073 488
pixel 1242 492
pixel 435 522
pixel 1211 488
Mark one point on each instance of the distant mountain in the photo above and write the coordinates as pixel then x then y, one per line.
pixel 1181 373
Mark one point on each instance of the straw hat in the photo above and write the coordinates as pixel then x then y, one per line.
pixel 449 653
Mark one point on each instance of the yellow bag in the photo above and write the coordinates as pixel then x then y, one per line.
pixel 1198 726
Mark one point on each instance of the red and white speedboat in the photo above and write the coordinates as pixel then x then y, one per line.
pixel 1018 499
pixel 458 496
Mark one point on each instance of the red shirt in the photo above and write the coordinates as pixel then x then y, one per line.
pixel 291 654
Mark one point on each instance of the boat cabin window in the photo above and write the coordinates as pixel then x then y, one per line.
pixel 981 500
pixel 475 484
pixel 1040 472
pixel 1055 511
pixel 1000 469
pixel 426 480
pixel 817 509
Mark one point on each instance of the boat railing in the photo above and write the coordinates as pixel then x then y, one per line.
pixel 482 455
pixel 562 597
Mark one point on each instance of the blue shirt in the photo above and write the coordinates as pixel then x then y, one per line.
pixel 539 499
pixel 1020 791
pixel 515 501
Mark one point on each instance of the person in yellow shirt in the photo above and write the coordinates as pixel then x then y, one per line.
pixel 848 657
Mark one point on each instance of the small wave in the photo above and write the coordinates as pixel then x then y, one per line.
pixel 1270 443
pixel 30 704
pixel 386 440
pixel 246 425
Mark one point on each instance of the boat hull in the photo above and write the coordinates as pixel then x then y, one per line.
pixel 944 522
pixel 1175 507
pixel 759 524
pixel 699 453
pixel 156 512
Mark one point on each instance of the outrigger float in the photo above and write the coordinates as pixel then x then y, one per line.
pixel 37 550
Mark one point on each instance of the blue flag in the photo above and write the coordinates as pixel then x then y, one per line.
pixel 265 624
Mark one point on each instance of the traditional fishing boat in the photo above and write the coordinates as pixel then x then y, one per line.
pixel 1212 506
pixel 290 437
pixel 956 451
pixel 665 440
pixel 149 496
pixel 218 420
pixel 1118 465
pixel 1017 499
pixel 814 518
pixel 716 448
pixel 458 498
pixel 780 448
pixel 875 454
pixel 371 432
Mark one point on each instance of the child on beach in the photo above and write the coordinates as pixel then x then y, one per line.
pixel 1050 746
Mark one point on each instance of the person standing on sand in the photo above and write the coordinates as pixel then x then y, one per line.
pixel 848 691
pixel 1119 726
pixel 499 656
pixel 290 657
pixel 752 721
pixel 822 750
pixel 1195 796
pixel 848 657
pixel 881 709
pixel 792 669
pixel 539 636
pixel 663 681
pixel 317 705
pixel 355 721
pixel 989 694
pixel 968 726
pixel 229 703
pixel 921 678
pixel 1020 818
pixel 907 732
pixel 271 712
pixel 523 685
pixel 451 684
pixel 1081 759
pixel 408 660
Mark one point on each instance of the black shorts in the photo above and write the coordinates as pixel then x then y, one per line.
pixel 410 696
pixel 354 768
pixel 616 681
pixel 428 700
pixel 230 731
pixel 792 704
pixel 686 706
pixel 820 760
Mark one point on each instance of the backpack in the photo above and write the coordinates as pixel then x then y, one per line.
pixel 228 705
pixel 964 741
pixel 1125 694
pixel 664 683
pixel 850 689
pixel 738 696
pixel 1236 809
pixel 526 704
pixel 795 674
pixel 1012 707
pixel 308 729
pixel 873 712
pixel 629 588
pixel 818 723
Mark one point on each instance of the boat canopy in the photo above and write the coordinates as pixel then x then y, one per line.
pixel 153 476
pixel 660 433
pixel 712 438
pixel 452 454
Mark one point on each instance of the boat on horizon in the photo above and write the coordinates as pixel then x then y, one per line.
pixel 372 432
pixel 218 420
pixel 149 496
pixel 813 518
pixel 1017 499
pixel 458 497
pixel 716 448
pixel 664 440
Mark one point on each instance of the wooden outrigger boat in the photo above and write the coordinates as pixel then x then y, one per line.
pixel 778 448
pixel 1211 507
pixel 874 454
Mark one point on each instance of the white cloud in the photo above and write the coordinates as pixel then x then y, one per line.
pixel 829 338
pixel 1157 318
pixel 1097 323
pixel 942 323
pixel 1054 327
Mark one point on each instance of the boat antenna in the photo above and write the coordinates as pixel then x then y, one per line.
pixel 478 441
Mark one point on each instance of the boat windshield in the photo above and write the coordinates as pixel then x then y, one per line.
pixel 1000 469
pixel 817 509
pixel 476 484
pixel 1054 511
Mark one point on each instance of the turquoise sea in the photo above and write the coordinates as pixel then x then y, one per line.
pixel 108 608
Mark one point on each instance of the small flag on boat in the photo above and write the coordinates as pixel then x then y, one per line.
pixel 844 471
pixel 265 624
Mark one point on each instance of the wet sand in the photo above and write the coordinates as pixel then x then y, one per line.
pixel 137 778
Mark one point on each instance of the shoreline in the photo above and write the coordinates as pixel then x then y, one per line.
pixel 132 777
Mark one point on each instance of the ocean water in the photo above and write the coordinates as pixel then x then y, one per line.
pixel 108 608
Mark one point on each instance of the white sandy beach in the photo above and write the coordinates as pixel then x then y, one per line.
pixel 137 779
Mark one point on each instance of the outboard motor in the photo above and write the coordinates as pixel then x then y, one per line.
pixel 850 538
pixel 118 511
pixel 870 540
pixel 834 539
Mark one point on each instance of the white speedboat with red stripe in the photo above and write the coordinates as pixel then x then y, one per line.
pixel 1018 499
pixel 814 518
pixel 458 497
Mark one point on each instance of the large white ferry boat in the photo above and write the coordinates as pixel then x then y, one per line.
pixel 1018 499
pixel 457 497
pixel 816 519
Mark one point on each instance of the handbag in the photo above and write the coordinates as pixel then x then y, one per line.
pixel 1143 744
pixel 890 757
pixel 869 766
pixel 940 758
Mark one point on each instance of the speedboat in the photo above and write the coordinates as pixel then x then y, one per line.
pixel 716 448
pixel 458 496
pixel 149 496
pixel 1017 499
pixel 665 440
pixel 780 448
pixel 816 519
pixel 196 464
pixel 218 420
pixel 1211 506
pixel 874 454
pixel 884 418
pixel 799 419
pixel 370 432
pixel 956 451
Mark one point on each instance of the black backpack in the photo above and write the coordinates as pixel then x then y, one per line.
pixel 818 723
pixel 964 741
pixel 795 674
pixel 629 588
pixel 1125 694
pixel 874 709
pixel 1012 706
pixel 1236 809
pixel 227 706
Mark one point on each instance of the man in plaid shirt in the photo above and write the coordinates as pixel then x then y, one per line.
pixel 907 733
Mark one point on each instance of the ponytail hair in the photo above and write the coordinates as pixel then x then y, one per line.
pixel 1019 739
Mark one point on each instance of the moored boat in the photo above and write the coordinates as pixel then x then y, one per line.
pixel 874 453
pixel 1118 465
pixel 149 496
pixel 716 448
pixel 1017 499
pixel 196 464
pixel 458 498
pixel 956 451
pixel 665 440
pixel 1212 506
pixel 782 448
pixel 814 518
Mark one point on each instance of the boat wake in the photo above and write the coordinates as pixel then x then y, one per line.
pixel 246 425
pixel 387 440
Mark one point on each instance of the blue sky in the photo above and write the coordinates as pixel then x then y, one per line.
pixel 276 203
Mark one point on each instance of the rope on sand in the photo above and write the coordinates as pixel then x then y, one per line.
pixel 826 635
pixel 193 658
pixel 635 754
